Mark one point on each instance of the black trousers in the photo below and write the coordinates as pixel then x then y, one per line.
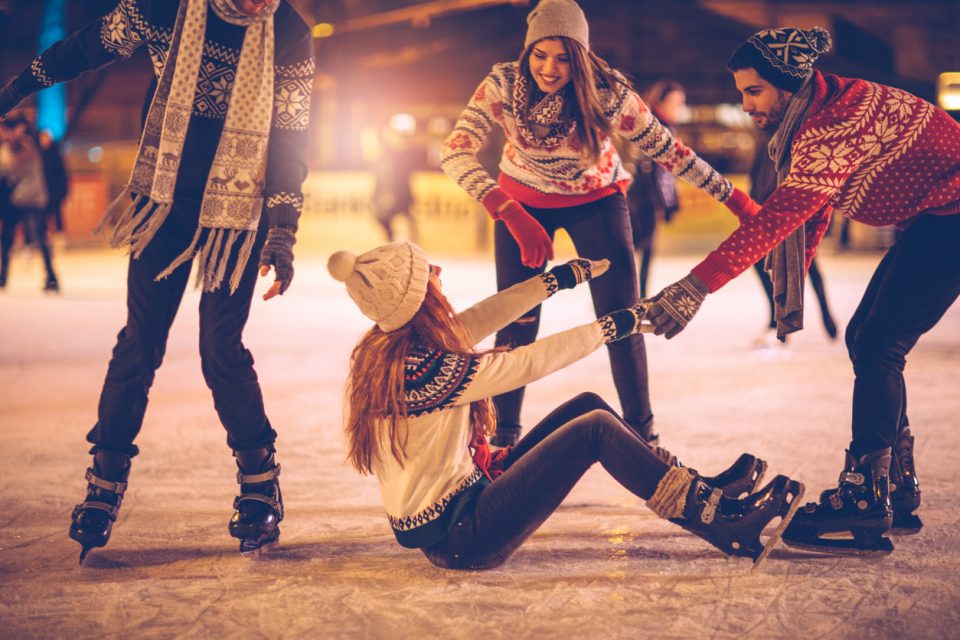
pixel 34 226
pixel 540 472
pixel 911 289
pixel 151 307
pixel 598 229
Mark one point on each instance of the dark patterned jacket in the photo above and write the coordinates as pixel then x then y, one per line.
pixel 135 23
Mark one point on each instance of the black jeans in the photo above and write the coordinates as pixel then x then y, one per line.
pixel 912 288
pixel 151 307
pixel 34 226
pixel 540 472
pixel 598 229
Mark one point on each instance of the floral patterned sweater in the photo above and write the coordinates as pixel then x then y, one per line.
pixel 439 475
pixel 876 154
pixel 540 165
pixel 135 23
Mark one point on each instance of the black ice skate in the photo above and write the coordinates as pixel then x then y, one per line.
pixel 904 486
pixel 734 526
pixel 259 507
pixel 740 479
pixel 859 507
pixel 92 520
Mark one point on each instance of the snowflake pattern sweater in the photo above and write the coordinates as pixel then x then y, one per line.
pixel 546 172
pixel 876 154
pixel 135 23
pixel 439 475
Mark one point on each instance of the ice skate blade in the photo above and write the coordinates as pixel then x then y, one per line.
pixel 845 547
pixel 777 535
pixel 906 525
pixel 251 548
pixel 83 554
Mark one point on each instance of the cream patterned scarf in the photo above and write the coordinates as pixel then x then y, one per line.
pixel 233 197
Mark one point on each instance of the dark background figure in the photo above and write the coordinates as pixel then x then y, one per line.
pixel 22 168
pixel 763 182
pixel 393 193
pixel 56 176
pixel 652 196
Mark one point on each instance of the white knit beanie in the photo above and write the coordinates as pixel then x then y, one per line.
pixel 552 18
pixel 387 283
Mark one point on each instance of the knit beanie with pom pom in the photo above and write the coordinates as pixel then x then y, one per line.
pixel 783 57
pixel 387 283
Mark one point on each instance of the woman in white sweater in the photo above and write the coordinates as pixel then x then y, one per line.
pixel 419 410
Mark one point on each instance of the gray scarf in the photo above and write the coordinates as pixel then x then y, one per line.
pixel 233 197
pixel 786 261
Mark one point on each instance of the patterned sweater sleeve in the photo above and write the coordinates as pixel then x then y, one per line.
pixel 818 172
pixel 499 310
pixel 113 37
pixel 632 119
pixel 287 151
pixel 458 158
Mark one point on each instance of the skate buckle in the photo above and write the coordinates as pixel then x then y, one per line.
pixel 852 477
pixel 710 508
pixel 836 501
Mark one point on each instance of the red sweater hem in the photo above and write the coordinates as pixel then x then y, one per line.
pixel 540 200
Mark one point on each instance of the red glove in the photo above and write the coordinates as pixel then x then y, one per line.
pixel 741 204
pixel 535 245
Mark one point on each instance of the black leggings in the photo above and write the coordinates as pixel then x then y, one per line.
pixel 540 472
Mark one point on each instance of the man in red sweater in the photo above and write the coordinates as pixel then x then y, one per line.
pixel 880 156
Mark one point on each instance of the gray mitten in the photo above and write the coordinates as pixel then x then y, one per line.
pixel 674 307
pixel 278 253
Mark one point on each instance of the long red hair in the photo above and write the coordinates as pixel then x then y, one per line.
pixel 375 388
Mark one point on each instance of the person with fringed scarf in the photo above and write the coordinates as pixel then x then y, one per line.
pixel 218 175
pixel 880 156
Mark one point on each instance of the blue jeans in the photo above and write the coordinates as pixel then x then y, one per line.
pixel 540 472
pixel 598 229
pixel 151 307
pixel 911 289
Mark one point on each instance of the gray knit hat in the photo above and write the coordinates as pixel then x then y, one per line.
pixel 388 283
pixel 552 18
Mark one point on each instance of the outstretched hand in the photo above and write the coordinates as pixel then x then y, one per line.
pixel 673 308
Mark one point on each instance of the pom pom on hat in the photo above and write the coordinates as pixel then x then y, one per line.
pixel 388 283
pixel 340 265
pixel 819 38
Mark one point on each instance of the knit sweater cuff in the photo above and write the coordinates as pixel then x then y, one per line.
pixel 714 273
pixel 283 209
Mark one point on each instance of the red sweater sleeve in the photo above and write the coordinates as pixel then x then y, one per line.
pixel 818 172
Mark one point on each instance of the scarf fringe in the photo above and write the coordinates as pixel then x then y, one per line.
pixel 215 257
pixel 132 221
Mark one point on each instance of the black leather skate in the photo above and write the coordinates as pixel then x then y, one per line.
pixel 740 479
pixel 506 435
pixel 859 507
pixel 92 520
pixel 734 526
pixel 904 486
pixel 259 507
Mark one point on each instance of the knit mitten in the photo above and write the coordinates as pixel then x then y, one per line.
pixel 621 323
pixel 577 271
pixel 278 253
pixel 10 97
pixel 536 247
pixel 674 307
pixel 741 205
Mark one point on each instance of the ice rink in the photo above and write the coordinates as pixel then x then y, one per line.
pixel 602 567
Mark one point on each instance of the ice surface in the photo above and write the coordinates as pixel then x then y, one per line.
pixel 602 567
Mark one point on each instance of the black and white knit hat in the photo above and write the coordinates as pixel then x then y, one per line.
pixel 553 18
pixel 784 57
pixel 388 283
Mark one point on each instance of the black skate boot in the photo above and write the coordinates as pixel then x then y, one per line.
pixel 860 506
pixel 506 436
pixel 740 479
pixel 259 507
pixel 904 486
pixel 734 526
pixel 92 520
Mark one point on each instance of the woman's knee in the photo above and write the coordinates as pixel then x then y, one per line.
pixel 589 401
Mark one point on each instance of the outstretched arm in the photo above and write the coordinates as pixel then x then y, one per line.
pixel 113 37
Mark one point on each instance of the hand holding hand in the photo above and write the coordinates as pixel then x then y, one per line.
pixel 277 252
pixel 742 205
pixel 673 308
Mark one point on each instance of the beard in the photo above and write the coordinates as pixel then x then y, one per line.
pixel 774 116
